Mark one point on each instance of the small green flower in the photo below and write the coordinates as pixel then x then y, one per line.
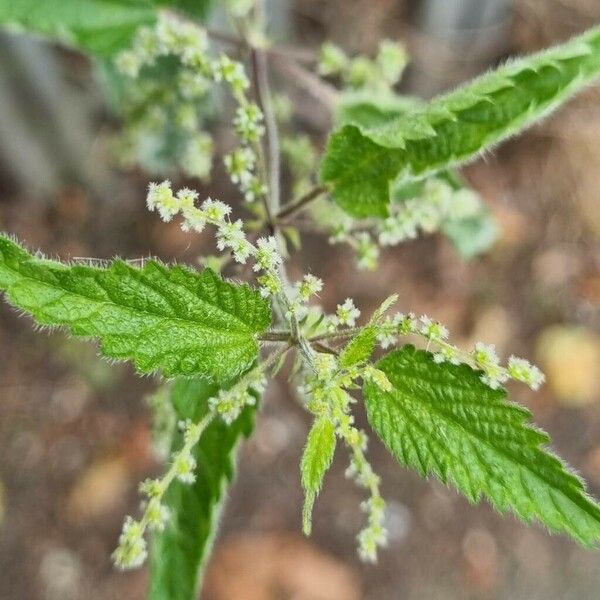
pixel 185 464
pixel 267 254
pixel 522 370
pixel 309 286
pixel 433 330
pixel 332 60
pixel 347 313
pixel 392 59
pixel 132 550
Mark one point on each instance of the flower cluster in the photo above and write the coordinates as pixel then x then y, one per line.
pixel 382 73
pixel 438 203
pixel 230 235
pixel 131 551
pixel 233 73
pixel 332 60
pixel 299 296
pixel 267 254
pixel 309 286
pixel 240 165
pixel 367 251
pixel 327 396
pixel 374 535
pixel 346 314
pixel 196 160
pixel 157 100
pixel 248 123
pixel 228 404
pixel 181 98
pixel 241 162
pixel 482 356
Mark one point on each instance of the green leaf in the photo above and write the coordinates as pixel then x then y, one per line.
pixel 200 9
pixel 178 553
pixel 406 190
pixel 359 348
pixel 316 460
pixel 473 235
pixel 370 109
pixel 102 27
pixel 168 319
pixel 441 419
pixel 361 162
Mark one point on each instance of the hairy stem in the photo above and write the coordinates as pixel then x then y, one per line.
pixel 286 336
pixel 336 334
pixel 276 336
pixel 324 349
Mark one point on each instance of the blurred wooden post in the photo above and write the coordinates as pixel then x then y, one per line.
pixel 46 119
pixel 458 39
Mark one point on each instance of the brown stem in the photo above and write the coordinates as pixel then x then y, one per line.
pixel 276 336
pixel 263 93
pixel 323 348
pixel 321 91
pixel 297 205
pixel 336 334
pixel 297 54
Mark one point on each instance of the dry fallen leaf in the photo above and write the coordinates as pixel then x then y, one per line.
pixel 275 566
pixel 100 489
pixel 570 357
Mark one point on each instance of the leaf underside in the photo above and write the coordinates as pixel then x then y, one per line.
pixel 442 420
pixel 199 9
pixel 362 162
pixel 179 553
pixel 170 320
pixel 102 27
pixel 99 26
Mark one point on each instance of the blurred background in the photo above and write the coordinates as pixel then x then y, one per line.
pixel 74 430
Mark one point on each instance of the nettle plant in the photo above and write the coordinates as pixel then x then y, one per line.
pixel 386 174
